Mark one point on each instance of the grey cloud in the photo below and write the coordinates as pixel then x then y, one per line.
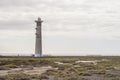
pixel 60 15
pixel 19 25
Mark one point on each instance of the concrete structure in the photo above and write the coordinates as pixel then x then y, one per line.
pixel 38 44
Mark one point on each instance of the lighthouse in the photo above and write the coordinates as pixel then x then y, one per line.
pixel 38 43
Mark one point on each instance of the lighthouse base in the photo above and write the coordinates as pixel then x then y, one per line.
pixel 38 55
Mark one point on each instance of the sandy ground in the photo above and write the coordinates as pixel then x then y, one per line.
pixel 30 71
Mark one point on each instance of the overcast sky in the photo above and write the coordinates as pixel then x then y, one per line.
pixel 70 27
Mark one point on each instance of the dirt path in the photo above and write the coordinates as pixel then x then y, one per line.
pixel 30 71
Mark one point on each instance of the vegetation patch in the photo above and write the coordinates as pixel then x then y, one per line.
pixel 62 68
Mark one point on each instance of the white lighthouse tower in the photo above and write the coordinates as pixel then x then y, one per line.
pixel 38 44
